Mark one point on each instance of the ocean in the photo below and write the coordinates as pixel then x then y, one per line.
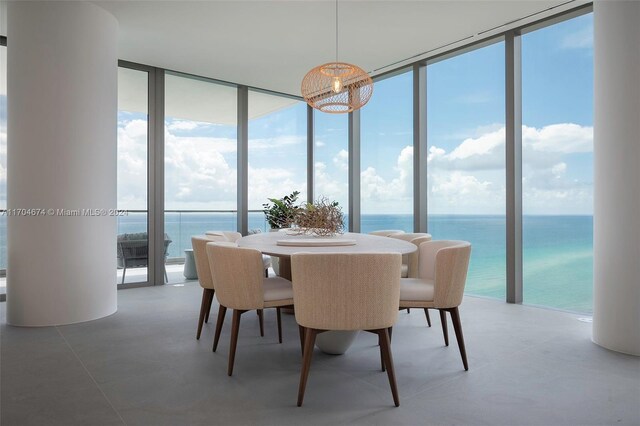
pixel 557 250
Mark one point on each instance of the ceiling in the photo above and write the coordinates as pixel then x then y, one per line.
pixel 272 44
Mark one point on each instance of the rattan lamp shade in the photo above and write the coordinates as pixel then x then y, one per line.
pixel 337 87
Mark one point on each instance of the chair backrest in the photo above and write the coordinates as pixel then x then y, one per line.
pixel 346 291
pixel 446 262
pixel 386 232
pixel 409 236
pixel 199 245
pixel 232 236
pixel 412 260
pixel 237 275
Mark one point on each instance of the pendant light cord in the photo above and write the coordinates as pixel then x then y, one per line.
pixel 336 30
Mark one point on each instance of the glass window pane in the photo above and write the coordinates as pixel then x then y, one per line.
pixel 466 161
pixel 200 163
pixel 386 180
pixel 331 155
pixel 3 164
pixel 277 151
pixel 557 173
pixel 132 175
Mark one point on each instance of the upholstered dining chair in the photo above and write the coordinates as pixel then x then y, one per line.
pixel 346 291
pixel 237 277
pixel 386 232
pixel 234 237
pixel 440 284
pixel 199 244
pixel 410 261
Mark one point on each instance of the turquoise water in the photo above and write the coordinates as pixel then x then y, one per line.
pixel 557 250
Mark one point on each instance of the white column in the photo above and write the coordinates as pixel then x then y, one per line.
pixel 616 304
pixel 62 118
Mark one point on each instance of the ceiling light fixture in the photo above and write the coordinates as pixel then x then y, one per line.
pixel 337 87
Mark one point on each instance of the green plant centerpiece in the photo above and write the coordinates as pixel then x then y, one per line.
pixel 281 212
pixel 323 218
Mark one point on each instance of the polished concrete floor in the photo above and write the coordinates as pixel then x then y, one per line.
pixel 143 366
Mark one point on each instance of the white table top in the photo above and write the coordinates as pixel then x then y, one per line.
pixel 267 243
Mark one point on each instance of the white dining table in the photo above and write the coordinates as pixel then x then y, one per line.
pixel 284 243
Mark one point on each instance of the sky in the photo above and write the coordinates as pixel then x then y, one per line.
pixel 465 115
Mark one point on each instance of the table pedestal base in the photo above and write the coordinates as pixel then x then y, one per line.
pixel 335 342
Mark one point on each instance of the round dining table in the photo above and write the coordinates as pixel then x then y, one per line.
pixel 284 243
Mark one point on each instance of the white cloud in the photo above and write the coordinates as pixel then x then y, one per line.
pixel 333 187
pixel 320 144
pixel 284 141
pixel 541 148
pixel 182 125
pixel 392 195
pixel 470 178
pixel 341 160
pixel 581 39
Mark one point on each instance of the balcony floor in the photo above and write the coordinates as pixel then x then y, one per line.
pixel 143 366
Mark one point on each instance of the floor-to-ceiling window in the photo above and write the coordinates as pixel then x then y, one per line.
pixel 3 165
pixel 132 166
pixel 386 159
pixel 466 160
pixel 200 162
pixel 331 158
pixel 557 172
pixel 277 151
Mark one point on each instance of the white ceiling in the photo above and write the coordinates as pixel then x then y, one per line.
pixel 272 44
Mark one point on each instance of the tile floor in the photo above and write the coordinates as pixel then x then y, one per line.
pixel 143 366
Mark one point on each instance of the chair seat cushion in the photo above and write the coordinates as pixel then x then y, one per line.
pixel 404 271
pixel 266 261
pixel 277 288
pixel 415 289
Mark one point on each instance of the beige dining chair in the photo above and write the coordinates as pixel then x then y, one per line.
pixel 237 277
pixel 410 261
pixel 199 244
pixel 346 291
pixel 440 284
pixel 234 237
pixel 386 232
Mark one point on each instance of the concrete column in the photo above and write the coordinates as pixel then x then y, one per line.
pixel 61 155
pixel 616 304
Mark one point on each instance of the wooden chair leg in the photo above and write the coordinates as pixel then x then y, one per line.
pixel 301 330
pixel 221 313
pixel 426 314
pixel 279 318
pixel 443 320
pixel 261 321
pixel 457 326
pixel 124 272
pixel 390 331
pixel 235 328
pixel 408 310
pixel 382 366
pixel 203 309
pixel 206 317
pixel 266 273
pixel 309 341
pixel 385 345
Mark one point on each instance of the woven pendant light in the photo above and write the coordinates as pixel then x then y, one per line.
pixel 337 87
